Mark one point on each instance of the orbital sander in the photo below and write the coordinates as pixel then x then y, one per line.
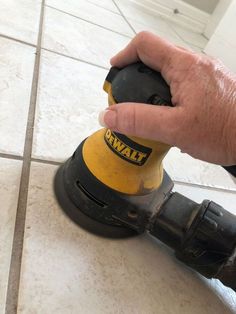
pixel 115 186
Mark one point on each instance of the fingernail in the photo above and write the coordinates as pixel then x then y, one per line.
pixel 107 118
pixel 101 118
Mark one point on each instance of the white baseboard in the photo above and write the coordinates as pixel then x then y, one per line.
pixel 188 15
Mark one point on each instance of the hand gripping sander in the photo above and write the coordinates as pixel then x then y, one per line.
pixel 115 186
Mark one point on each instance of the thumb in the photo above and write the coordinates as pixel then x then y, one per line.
pixel 142 120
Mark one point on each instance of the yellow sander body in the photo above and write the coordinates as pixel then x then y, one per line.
pixel 126 164
pixel 127 170
pixel 122 167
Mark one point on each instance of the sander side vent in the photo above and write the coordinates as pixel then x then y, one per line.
pixel 90 196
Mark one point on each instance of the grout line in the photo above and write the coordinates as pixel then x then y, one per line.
pixel 43 161
pixel 87 21
pixel 100 6
pixel 48 162
pixel 9 156
pixel 203 35
pixel 205 187
pixel 18 239
pixel 17 40
pixel 58 163
pixel 76 59
pixel 124 17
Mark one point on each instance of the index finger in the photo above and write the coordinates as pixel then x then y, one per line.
pixel 152 50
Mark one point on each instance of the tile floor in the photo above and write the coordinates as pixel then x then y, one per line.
pixel 64 269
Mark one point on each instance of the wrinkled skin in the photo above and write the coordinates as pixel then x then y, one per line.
pixel 203 121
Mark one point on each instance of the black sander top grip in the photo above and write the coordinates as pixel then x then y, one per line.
pixel 139 83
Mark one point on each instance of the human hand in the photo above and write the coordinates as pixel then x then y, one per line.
pixel 203 121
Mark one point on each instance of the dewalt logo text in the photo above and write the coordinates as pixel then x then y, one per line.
pixel 127 149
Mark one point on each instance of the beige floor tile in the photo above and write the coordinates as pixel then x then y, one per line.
pixel 20 19
pixel 182 167
pixel 10 172
pixel 163 29
pixel 194 39
pixel 77 38
pixel 160 28
pixel 96 14
pixel 107 4
pixel 158 25
pixel 69 100
pixel 139 16
pixel 67 270
pixel 16 71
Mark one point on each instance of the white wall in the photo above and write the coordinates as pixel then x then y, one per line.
pixel 223 42
pixel 204 5
pixel 215 18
